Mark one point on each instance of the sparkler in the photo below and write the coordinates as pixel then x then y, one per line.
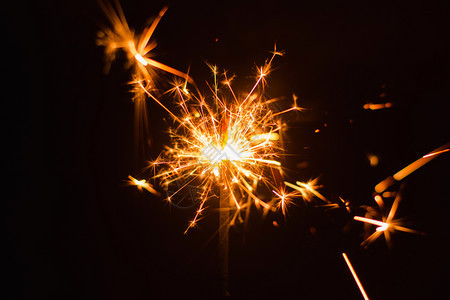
pixel 230 142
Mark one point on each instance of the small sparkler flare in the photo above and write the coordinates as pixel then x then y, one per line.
pixel 226 148
pixel 388 224
pixel 229 142
pixel 138 50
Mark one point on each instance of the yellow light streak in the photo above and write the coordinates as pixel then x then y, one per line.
pixel 355 276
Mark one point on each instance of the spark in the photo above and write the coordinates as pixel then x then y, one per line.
pixel 143 184
pixel 373 159
pixel 284 199
pixel 345 204
pixel 435 153
pixel 388 223
pixel 355 276
pixel 377 106
pixel 138 48
pixel 400 175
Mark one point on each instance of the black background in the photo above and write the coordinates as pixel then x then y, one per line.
pixel 76 231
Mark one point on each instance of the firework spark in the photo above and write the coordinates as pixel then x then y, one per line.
pixel 308 190
pixel 377 106
pixel 387 225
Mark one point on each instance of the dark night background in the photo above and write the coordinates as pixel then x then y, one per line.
pixel 76 231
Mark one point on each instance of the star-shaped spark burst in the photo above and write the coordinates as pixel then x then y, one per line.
pixel 385 223
pixel 136 47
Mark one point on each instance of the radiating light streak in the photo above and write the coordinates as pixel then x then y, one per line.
pixel 355 276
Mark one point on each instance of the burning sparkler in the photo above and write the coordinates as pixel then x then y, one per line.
pixel 388 224
pixel 231 142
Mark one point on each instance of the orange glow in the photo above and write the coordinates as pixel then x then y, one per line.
pixel 377 106
pixel 137 47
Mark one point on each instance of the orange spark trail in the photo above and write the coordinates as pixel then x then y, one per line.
pixel 360 286
pixel 383 185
